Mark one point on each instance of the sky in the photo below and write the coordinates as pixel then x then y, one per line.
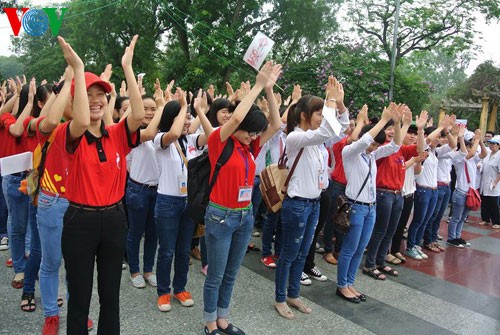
pixel 490 47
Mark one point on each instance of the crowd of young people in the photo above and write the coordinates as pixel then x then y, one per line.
pixel 115 171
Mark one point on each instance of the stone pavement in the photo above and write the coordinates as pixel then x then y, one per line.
pixel 455 292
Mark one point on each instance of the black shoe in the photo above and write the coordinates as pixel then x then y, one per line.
pixel 455 243
pixel 362 297
pixel 463 242
pixel 355 300
pixel 231 330
pixel 213 332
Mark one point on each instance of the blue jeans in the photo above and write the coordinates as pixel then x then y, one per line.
pixel 256 195
pixel 389 208
pixel 335 190
pixel 4 213
pixel 443 197
pixel 458 215
pixel 424 204
pixel 50 216
pixel 33 262
pixel 271 226
pixel 141 202
pixel 175 230
pixel 227 234
pixel 299 220
pixel 18 204
pixel 354 244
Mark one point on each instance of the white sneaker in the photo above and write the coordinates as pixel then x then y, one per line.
pixel 419 250
pixel 314 273
pixel 304 280
pixel 138 281
pixel 4 243
pixel 152 280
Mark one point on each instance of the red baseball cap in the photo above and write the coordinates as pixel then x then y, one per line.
pixel 92 79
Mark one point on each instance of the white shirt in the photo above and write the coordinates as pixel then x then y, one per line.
pixel 458 161
pixel 275 145
pixel 171 165
pixel 491 169
pixel 142 164
pixel 357 163
pixel 428 177
pixel 305 181
pixel 409 184
pixel 444 167
pixel 326 172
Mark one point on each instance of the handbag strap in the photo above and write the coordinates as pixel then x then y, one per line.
pixel 467 173
pixel 181 153
pixel 223 158
pixel 366 179
pixel 290 174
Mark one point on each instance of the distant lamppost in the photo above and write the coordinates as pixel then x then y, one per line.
pixel 394 50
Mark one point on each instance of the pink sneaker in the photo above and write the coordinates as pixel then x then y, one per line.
pixel 204 270
pixel 51 325
pixel 90 324
pixel 269 262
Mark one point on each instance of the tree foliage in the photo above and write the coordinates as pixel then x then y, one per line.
pixel 10 67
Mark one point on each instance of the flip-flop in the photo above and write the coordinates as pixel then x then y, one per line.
pixel 284 310
pixel 393 259
pixel 374 273
pixel 30 305
pixel 400 256
pixel 388 270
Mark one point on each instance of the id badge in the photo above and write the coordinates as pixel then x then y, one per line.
pixel 245 193
pixel 182 182
pixel 321 180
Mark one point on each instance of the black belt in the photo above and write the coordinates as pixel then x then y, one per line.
pixel 307 199
pixel 338 183
pixel 427 187
pixel 94 208
pixel 20 174
pixel 141 184
pixel 363 203
pixel 388 191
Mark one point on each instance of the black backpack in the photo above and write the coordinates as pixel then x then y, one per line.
pixel 198 184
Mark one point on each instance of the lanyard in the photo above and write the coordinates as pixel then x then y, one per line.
pixel 180 153
pixel 368 161
pixel 245 159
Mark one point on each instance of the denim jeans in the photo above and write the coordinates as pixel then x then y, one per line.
pixel 227 234
pixel 403 221
pixel 270 228
pixel 443 197
pixel 424 204
pixel 354 244
pixel 335 190
pixel 141 202
pixel 256 195
pixel 389 208
pixel 18 204
pixel 175 230
pixel 324 213
pixel 33 263
pixel 299 218
pixel 4 213
pixel 458 215
pixel 50 216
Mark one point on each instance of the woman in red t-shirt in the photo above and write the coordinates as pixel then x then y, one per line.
pixel 229 216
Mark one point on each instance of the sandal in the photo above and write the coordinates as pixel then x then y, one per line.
pixel 299 305
pixel 329 258
pixel 18 281
pixel 374 273
pixel 283 310
pixel 439 246
pixel 392 259
pixel 400 256
pixel 60 302
pixel 388 270
pixel 431 247
pixel 28 302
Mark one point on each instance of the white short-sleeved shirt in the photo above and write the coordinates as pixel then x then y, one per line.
pixel 491 169
pixel 459 163
pixel 429 175
pixel 142 164
pixel 171 165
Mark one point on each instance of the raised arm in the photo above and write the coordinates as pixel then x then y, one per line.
pixel 134 120
pixel 296 95
pixel 274 113
pixel 17 128
pixel 484 152
pixel 361 120
pixel 8 106
pixel 268 71
pixel 81 110
pixel 201 108
pixel 421 121
pixel 176 130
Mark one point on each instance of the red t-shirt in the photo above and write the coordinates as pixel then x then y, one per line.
pixel 391 169
pixel 338 173
pixel 232 175
pixel 9 145
pixel 29 138
pixel 97 166
pixel 55 170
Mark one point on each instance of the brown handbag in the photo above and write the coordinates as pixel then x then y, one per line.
pixel 341 213
pixel 274 181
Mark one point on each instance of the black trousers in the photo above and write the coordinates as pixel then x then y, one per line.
pixel 89 237
pixel 324 212
pixel 489 209
pixel 403 221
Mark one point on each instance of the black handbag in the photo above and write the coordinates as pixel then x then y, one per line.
pixel 341 213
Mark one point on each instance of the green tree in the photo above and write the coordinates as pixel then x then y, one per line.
pixel 10 67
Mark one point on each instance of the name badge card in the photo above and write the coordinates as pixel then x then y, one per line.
pixel 245 193
pixel 182 180
pixel 258 50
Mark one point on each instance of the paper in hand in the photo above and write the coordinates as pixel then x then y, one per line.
pixel 16 163
pixel 258 50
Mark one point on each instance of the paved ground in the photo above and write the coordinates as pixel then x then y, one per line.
pixel 456 292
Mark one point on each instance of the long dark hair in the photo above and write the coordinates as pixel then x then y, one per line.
pixel 308 104
pixel 216 106
pixel 170 112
